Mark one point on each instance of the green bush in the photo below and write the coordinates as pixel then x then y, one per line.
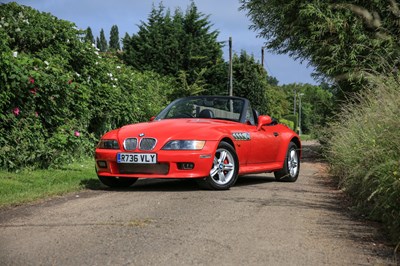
pixel 364 153
pixel 294 120
pixel 289 123
pixel 59 94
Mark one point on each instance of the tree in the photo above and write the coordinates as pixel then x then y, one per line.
pixel 317 105
pixel 97 43
pixel 125 41
pixel 249 81
pixel 89 36
pixel 102 44
pixel 114 38
pixel 170 44
pixel 272 80
pixel 345 41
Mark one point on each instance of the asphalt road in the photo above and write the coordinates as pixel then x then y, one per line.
pixel 156 222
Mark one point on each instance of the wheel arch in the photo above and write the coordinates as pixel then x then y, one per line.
pixel 285 145
pixel 296 141
pixel 229 141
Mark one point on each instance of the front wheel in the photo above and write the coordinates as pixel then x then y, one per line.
pixel 116 182
pixel 291 167
pixel 225 168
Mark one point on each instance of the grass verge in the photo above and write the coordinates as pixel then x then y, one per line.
pixel 27 186
pixel 365 153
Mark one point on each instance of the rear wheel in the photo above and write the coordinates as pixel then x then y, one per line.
pixel 117 182
pixel 224 171
pixel 291 166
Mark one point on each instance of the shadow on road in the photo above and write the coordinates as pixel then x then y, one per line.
pixel 311 151
pixel 172 185
pixel 149 185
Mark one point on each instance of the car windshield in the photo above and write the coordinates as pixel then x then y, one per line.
pixel 204 107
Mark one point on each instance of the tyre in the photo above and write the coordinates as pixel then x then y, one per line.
pixel 117 182
pixel 291 167
pixel 225 168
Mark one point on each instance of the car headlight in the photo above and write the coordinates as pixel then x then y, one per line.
pixel 184 145
pixel 111 144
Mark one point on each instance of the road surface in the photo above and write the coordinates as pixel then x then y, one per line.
pixel 257 222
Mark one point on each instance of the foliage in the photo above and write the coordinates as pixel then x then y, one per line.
pixel 125 41
pixel 289 123
pixel 249 81
pixel 187 89
pixel 89 36
pixel 277 102
pixel 169 44
pixel 344 40
pixel 365 152
pixel 294 119
pixel 59 94
pixel 317 105
pixel 114 38
pixel 102 44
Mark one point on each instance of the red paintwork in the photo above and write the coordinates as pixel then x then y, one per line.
pixel 265 152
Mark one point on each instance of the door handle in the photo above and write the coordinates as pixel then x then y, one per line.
pixel 276 134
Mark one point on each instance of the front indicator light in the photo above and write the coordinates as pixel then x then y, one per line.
pixel 184 145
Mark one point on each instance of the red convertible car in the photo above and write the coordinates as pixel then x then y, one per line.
pixel 213 139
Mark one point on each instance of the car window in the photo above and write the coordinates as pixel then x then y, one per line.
pixel 250 116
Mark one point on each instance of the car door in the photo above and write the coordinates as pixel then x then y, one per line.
pixel 264 144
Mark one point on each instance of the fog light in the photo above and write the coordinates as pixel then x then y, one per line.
pixel 102 164
pixel 185 166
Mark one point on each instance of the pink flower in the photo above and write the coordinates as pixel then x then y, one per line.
pixel 76 133
pixel 16 111
pixel 33 91
pixel 36 114
pixel 31 80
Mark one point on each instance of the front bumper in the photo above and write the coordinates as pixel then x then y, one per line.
pixel 169 164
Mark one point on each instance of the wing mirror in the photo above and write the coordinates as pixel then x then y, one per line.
pixel 264 120
pixel 152 118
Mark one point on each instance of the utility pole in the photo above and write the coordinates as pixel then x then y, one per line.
pixel 300 94
pixel 230 68
pixel 262 56
pixel 294 102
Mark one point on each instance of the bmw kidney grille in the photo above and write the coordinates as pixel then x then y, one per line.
pixel 130 144
pixel 147 144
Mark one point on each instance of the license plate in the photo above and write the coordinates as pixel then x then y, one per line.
pixel 142 158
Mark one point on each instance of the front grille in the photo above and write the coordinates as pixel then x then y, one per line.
pixel 130 144
pixel 158 169
pixel 147 144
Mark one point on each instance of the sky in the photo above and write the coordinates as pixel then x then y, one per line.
pixel 224 15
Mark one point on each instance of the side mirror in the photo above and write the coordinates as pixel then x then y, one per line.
pixel 263 120
pixel 152 118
